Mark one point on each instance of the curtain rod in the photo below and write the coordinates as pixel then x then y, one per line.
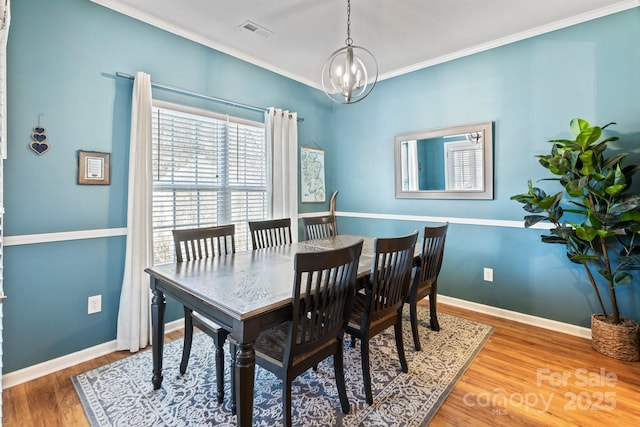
pixel 200 95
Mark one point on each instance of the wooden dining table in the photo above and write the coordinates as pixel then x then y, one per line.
pixel 245 292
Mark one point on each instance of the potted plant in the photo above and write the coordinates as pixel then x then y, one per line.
pixel 602 233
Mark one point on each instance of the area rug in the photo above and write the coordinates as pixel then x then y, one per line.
pixel 121 393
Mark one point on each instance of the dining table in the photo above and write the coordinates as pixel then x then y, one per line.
pixel 245 292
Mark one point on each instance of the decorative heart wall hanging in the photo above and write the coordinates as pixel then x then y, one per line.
pixel 39 143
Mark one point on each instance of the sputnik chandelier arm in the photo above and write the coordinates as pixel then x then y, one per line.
pixel 351 72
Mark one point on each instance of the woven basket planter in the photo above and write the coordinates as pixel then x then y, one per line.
pixel 621 341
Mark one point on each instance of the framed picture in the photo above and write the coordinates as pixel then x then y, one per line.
pixel 312 175
pixel 94 168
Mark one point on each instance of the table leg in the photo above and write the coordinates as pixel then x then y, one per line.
pixel 158 304
pixel 244 370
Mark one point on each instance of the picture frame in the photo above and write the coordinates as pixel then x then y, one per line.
pixel 94 168
pixel 312 175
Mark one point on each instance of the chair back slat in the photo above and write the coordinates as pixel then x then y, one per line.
pixel 205 242
pixel 319 227
pixel 390 274
pixel 269 233
pixel 322 297
pixel 431 254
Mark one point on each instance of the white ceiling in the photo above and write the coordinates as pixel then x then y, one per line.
pixel 403 35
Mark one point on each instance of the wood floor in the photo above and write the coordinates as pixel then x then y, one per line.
pixel 523 376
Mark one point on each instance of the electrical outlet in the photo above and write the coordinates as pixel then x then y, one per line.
pixel 488 274
pixel 95 304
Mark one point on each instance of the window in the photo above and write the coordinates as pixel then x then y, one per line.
pixel 208 170
pixel 464 166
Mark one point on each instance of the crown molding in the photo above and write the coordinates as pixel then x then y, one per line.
pixel 557 25
pixel 127 10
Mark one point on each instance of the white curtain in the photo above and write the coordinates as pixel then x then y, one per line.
pixel 281 128
pixel 412 164
pixel 134 319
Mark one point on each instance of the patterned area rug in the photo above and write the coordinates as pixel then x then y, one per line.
pixel 121 393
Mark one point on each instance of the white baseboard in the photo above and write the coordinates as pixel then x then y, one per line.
pixel 527 319
pixel 45 368
pixel 32 372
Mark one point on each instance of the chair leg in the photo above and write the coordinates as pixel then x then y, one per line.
pixel 218 342
pixel 399 344
pixel 338 368
pixel 188 338
pixel 413 315
pixel 286 402
pixel 432 311
pixel 366 370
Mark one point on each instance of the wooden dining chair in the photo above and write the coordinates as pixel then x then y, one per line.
pixel 318 227
pixel 272 232
pixel 380 306
pixel 323 291
pixel 201 243
pixel 425 280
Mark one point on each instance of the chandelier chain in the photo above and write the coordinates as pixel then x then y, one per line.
pixel 349 40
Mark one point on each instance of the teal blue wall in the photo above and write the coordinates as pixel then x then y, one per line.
pixel 530 90
pixel 431 174
pixel 62 57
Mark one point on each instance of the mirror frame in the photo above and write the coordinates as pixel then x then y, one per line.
pixel 487 151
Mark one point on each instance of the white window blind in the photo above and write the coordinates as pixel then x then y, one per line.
pixel 464 164
pixel 208 170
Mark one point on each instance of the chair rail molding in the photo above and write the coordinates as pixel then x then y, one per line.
pixel 28 239
pixel 451 220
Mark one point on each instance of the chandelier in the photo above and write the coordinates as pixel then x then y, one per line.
pixel 351 72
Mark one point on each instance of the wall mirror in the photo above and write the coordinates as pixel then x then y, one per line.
pixel 447 163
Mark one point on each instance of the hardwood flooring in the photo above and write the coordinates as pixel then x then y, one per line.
pixel 524 376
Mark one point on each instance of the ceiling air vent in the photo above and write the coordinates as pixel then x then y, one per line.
pixel 256 29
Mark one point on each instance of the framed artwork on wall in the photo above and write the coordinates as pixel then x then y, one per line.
pixel 94 168
pixel 312 181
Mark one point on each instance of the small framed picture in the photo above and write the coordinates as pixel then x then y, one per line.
pixel 94 168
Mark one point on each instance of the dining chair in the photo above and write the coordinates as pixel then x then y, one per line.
pixel 425 279
pixel 380 305
pixel 318 227
pixel 323 291
pixel 200 243
pixel 272 232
